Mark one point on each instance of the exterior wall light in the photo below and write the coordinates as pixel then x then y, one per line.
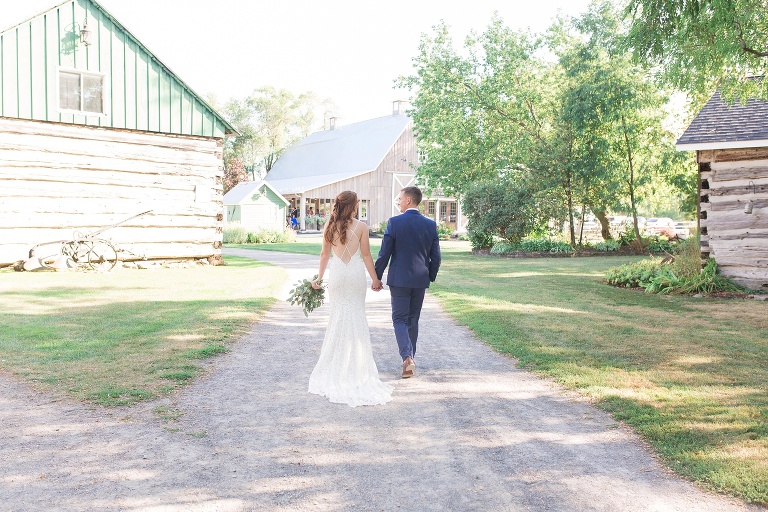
pixel 750 204
pixel 85 34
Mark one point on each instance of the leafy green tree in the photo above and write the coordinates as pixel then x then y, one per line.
pixel 618 113
pixel 474 115
pixel 269 120
pixel 586 130
pixel 701 45
pixel 487 116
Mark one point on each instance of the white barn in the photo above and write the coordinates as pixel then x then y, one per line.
pixel 375 158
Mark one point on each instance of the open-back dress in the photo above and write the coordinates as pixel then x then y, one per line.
pixel 346 372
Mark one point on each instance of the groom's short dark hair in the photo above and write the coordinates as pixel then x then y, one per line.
pixel 414 193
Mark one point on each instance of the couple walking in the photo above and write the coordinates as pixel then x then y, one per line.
pixel 346 372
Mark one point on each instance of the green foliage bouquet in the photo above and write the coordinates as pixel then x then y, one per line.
pixel 307 297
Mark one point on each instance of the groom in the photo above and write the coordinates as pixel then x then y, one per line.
pixel 412 249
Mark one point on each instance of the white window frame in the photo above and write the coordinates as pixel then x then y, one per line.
pixel 105 90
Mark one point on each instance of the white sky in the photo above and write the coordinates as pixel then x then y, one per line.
pixel 347 50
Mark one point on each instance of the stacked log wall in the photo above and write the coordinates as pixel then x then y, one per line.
pixel 729 180
pixel 58 179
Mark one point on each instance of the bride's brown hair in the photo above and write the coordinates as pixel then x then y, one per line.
pixel 343 211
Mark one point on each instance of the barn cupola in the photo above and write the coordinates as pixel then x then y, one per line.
pixel 398 107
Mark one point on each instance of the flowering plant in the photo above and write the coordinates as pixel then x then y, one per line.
pixel 307 297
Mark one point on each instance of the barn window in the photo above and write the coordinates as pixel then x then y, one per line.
pixel 363 213
pixel 81 91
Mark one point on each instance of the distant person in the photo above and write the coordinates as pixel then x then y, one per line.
pixel 345 371
pixel 411 248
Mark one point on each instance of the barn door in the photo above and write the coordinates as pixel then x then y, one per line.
pixel 399 182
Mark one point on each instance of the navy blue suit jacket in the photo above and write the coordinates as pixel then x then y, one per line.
pixel 411 248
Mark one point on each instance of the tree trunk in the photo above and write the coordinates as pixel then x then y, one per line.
pixel 605 224
pixel 631 183
pixel 569 196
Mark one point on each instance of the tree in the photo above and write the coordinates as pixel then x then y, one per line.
pixel 234 173
pixel 474 116
pixel 586 130
pixel 700 45
pixel 269 120
pixel 621 147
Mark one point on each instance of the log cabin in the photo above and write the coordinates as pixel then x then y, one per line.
pixel 375 158
pixel 94 129
pixel 731 145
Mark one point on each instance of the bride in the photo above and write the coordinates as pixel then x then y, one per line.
pixel 346 372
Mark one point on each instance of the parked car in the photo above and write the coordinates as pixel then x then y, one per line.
pixel 662 226
pixel 683 228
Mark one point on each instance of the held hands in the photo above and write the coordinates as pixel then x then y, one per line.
pixel 377 285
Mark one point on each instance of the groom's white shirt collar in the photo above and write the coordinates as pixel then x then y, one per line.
pixel 409 209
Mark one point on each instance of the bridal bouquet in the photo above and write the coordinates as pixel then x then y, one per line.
pixel 307 297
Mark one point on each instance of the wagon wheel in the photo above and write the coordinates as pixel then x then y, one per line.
pixel 77 251
pixel 101 255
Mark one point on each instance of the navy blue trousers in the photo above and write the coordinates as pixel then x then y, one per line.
pixel 406 309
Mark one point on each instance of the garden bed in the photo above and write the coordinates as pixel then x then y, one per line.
pixel 585 252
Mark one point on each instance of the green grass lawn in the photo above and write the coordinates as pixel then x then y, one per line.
pixel 689 374
pixel 120 337
pixel 300 247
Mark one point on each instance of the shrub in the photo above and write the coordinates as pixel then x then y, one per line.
pixel 688 257
pixel 539 244
pixel 656 276
pixel 608 246
pixel 444 231
pixel 509 209
pixel 235 234
pixel 633 275
pixel 560 247
pixel 479 239
pixel 656 243
pixel 382 227
pixel 502 248
pixel 239 235
pixel 271 236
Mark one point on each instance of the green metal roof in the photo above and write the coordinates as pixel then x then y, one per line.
pixel 139 91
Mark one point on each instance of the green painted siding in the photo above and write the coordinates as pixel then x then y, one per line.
pixel 140 92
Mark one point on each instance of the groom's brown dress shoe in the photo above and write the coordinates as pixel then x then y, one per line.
pixel 408 367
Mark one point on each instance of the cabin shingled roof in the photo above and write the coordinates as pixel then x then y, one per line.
pixel 720 123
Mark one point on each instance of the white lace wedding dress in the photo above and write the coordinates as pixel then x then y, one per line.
pixel 346 372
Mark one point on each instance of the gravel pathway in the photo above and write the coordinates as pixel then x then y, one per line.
pixel 469 432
